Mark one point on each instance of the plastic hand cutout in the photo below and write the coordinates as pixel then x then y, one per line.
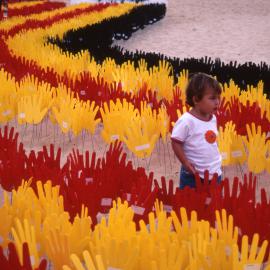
pixel 5 226
pixel 161 225
pixel 80 233
pixel 8 139
pixel 49 198
pixel 230 91
pixel 114 114
pixel 162 81
pixel 63 114
pixel 31 109
pixel 186 227
pixel 205 251
pixel 83 117
pixel 88 116
pixel 8 108
pixel 114 239
pixel 226 232
pixel 250 257
pixel 257 149
pixel 254 95
pixel 238 152
pixel 165 195
pixel 58 248
pixel 24 202
pixel 224 143
pixel 126 75
pixel 106 69
pixel 120 222
pixel 8 84
pixel 169 252
pixel 137 138
pixel 87 264
pixel 25 233
pixel 182 83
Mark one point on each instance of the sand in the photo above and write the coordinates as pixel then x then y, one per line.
pixel 236 30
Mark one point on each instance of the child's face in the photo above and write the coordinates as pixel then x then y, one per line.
pixel 209 103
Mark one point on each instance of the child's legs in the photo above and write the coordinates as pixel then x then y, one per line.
pixel 186 179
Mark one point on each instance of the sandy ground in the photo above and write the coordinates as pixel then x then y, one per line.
pixel 235 30
pixel 230 30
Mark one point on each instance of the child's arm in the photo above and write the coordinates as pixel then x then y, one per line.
pixel 179 152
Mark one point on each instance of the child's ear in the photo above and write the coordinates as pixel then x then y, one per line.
pixel 195 99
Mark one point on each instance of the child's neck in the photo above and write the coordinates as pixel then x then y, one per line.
pixel 199 114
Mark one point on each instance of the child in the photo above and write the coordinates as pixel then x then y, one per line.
pixel 195 132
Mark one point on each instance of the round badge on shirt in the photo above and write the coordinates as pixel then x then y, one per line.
pixel 210 136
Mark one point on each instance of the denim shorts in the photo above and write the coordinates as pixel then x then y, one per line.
pixel 187 179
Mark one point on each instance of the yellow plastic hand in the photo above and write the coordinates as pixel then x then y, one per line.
pixel 5 226
pixel 115 240
pixel 226 232
pixel 160 246
pixel 80 233
pixel 8 108
pixel 231 145
pixel 257 149
pixel 185 228
pixel 106 69
pixel 27 86
pixel 171 257
pixel 126 75
pixel 34 217
pixel 87 262
pixel 149 120
pixel 49 198
pixel 120 222
pixel 206 251
pixel 182 83
pixel 58 248
pixel 230 91
pixel 89 120
pixel 119 112
pixel 224 144
pixel 238 152
pixel 25 233
pixel 138 140
pixel 31 110
pixel 250 257
pixel 8 84
pixel 64 115
pixel 23 201
pixel 162 81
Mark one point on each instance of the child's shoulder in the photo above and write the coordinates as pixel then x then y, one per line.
pixel 190 117
pixel 184 119
pixel 185 115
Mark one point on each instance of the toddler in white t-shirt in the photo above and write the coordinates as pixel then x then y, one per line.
pixel 195 132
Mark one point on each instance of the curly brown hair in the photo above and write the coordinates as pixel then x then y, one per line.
pixel 197 86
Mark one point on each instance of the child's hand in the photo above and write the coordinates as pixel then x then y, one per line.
pixel 189 167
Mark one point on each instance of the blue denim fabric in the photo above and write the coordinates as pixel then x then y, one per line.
pixel 188 180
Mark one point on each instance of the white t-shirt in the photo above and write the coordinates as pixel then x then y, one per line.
pixel 199 142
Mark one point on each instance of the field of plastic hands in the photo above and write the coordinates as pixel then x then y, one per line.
pixel 65 219
pixel 40 81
